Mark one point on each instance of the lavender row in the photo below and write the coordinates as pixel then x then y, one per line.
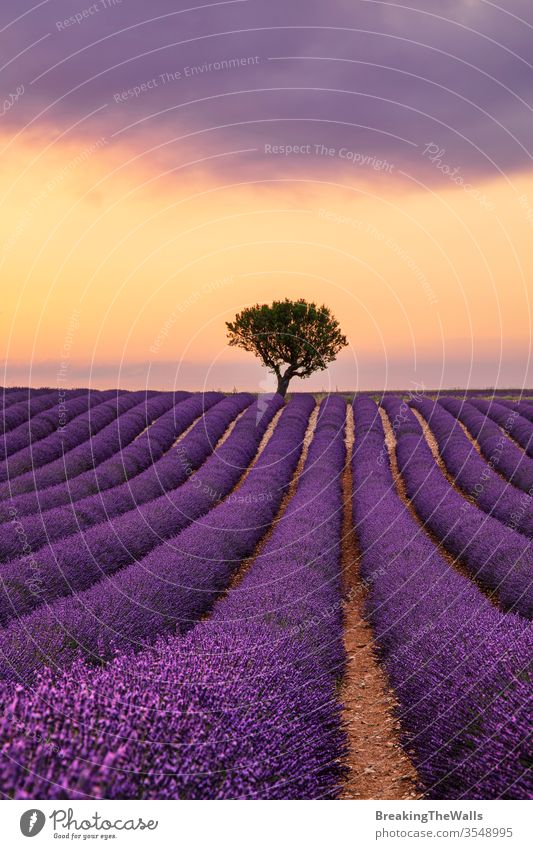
pixel 117 472
pixel 48 436
pixel 10 395
pixel 473 474
pixel 498 557
pixel 524 408
pixel 458 665
pixel 106 443
pixel 505 457
pixel 171 587
pixel 296 580
pixel 120 485
pixel 19 413
pixel 29 404
pixel 76 563
pixel 522 429
pixel 249 694
pixel 42 425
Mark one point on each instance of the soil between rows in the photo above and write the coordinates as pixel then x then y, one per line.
pixel 378 767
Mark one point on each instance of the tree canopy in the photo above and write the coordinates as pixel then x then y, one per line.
pixel 292 338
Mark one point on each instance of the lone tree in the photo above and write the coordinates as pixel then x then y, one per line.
pixel 292 338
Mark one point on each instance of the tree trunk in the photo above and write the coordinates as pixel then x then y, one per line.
pixel 283 384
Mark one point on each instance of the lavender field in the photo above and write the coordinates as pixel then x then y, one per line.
pixel 210 596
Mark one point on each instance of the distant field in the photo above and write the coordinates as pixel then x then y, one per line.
pixel 209 595
pixel 377 394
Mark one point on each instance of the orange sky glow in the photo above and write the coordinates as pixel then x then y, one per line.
pixel 118 271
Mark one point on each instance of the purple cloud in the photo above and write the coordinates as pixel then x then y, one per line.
pixel 374 82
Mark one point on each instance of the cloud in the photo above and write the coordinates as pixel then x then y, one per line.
pixel 374 78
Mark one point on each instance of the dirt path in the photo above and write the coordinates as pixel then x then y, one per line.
pixel 264 439
pixel 468 435
pixel 378 766
pixel 473 441
pixel 434 448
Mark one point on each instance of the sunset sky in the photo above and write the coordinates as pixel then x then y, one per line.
pixel 163 166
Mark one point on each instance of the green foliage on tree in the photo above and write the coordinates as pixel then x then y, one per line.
pixel 291 338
